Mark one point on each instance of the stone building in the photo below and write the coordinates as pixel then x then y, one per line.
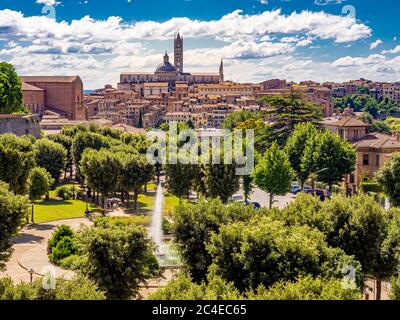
pixel 62 94
pixel 373 149
pixel 34 98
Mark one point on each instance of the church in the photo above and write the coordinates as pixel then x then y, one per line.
pixel 172 74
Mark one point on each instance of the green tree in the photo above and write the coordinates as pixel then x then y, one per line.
pixel 389 178
pixel 50 156
pixel 289 111
pixel 10 90
pixel 363 229
pixel 295 147
pixel 101 170
pixel 118 259
pixel 66 142
pixel 193 226
pixel 263 251
pixel 357 225
pixel 16 162
pixel 179 178
pixel 329 157
pixel 219 181
pixel 233 120
pixel 13 209
pixel 135 173
pixel 273 173
pixel 381 127
pixel 39 184
pixel 247 182
pixel 86 140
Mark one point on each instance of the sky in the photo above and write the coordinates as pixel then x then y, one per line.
pixel 321 40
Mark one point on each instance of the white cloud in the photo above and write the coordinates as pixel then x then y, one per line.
pixel 375 44
pixel 48 2
pixel 392 51
pixel 256 46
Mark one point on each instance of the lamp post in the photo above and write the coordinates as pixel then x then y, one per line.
pixel 31 273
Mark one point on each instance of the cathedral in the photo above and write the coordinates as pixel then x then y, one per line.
pixel 167 72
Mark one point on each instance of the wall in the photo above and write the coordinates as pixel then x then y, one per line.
pixel 20 124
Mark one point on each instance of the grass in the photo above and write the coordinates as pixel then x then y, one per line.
pixel 146 201
pixel 56 209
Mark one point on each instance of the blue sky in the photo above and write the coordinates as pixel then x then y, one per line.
pixel 294 39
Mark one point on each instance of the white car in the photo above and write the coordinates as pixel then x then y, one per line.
pixel 237 198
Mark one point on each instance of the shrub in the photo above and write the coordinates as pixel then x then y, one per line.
pixel 65 192
pixel 167 227
pixel 64 248
pixel 374 187
pixel 73 262
pixel 78 288
pixel 307 288
pixel 395 291
pixel 118 259
pixel 60 232
pixel 139 220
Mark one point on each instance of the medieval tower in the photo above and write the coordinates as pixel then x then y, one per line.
pixel 178 53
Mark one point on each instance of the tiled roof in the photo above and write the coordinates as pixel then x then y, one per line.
pixel 29 87
pixel 349 122
pixel 49 78
pixel 378 141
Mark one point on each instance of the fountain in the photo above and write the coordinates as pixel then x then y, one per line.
pixel 156 223
pixel 165 253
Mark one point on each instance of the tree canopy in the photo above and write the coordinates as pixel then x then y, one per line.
pixel 10 90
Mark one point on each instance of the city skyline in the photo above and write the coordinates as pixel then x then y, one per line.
pixel 259 40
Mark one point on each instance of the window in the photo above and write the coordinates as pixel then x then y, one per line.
pixel 378 160
pixel 341 133
pixel 366 159
pixel 355 134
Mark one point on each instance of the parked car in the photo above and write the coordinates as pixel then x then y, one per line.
pixel 297 189
pixel 237 198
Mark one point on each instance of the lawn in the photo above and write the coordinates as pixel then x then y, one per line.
pixel 147 200
pixel 56 209
pixel 53 209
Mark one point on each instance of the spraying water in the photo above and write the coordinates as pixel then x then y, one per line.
pixel 156 224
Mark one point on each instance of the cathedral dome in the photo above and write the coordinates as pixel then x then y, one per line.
pixel 165 66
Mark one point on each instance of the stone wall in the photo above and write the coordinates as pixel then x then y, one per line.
pixel 20 124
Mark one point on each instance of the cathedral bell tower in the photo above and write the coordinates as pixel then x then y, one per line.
pixel 178 53
pixel 221 72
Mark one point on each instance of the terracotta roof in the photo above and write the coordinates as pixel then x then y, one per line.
pixel 349 122
pixel 49 78
pixel 378 141
pixel 29 87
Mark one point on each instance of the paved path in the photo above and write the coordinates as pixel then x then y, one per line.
pixel 30 250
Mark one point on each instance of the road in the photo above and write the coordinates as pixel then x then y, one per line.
pixel 263 199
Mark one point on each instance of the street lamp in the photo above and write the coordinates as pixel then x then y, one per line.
pixel 31 273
